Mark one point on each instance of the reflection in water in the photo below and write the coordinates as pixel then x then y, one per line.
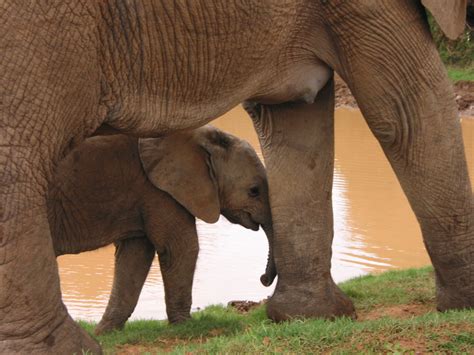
pixel 375 230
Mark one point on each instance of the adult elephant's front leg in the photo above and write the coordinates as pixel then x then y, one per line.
pixel 297 140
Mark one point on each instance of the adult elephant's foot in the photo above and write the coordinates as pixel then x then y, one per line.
pixel 67 338
pixel 450 298
pixel 450 244
pixel 70 338
pixel 300 301
pixel 33 318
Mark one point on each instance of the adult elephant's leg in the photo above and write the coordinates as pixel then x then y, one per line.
pixel 33 318
pixel 408 102
pixel 49 102
pixel 133 259
pixel 297 140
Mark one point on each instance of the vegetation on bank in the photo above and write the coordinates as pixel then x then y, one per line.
pixel 461 74
pixel 396 313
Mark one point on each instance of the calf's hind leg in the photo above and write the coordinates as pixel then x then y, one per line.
pixel 133 259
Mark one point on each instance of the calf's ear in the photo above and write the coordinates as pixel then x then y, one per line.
pixel 178 165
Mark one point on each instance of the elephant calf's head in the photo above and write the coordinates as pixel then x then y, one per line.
pixel 210 172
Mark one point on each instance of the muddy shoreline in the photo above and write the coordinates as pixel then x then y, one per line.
pixel 464 96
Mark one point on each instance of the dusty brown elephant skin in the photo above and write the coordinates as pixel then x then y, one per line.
pixel 153 67
pixel 143 195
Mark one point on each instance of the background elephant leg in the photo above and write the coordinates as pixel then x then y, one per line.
pixel 408 102
pixel 297 140
pixel 33 318
pixel 133 259
pixel 178 259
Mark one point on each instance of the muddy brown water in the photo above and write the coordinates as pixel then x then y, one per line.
pixel 375 230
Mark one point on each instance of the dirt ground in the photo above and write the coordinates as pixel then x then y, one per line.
pixel 464 96
pixel 397 311
pixel 245 306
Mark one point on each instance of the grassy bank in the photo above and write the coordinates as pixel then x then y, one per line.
pixel 461 73
pixel 396 314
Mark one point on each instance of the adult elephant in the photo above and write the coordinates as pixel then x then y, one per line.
pixel 153 67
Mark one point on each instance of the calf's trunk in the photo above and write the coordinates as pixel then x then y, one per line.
pixel 270 271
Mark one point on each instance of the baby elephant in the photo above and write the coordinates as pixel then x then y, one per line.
pixel 143 195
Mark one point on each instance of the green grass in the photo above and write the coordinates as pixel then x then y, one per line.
pixel 379 301
pixel 459 73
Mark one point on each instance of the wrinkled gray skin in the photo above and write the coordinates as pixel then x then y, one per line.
pixel 149 68
pixel 143 196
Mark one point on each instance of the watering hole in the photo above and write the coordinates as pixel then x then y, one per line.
pixel 375 230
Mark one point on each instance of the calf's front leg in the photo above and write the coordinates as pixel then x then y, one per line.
pixel 178 259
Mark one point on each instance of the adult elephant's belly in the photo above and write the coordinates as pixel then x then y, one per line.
pixel 295 83
pixel 164 113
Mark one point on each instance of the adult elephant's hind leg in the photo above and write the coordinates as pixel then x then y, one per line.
pixel 297 140
pixel 425 149
pixel 408 102
pixel 133 259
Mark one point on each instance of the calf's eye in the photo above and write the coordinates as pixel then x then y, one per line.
pixel 254 191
